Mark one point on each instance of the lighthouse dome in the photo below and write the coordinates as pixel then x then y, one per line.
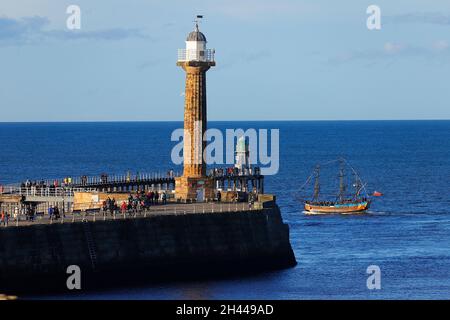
pixel 196 35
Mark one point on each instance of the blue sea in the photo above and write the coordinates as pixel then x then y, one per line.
pixel 406 232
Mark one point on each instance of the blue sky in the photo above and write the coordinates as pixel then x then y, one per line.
pixel 276 60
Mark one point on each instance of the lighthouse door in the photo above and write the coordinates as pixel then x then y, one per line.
pixel 200 194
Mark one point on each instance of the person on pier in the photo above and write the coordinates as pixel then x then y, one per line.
pixel 156 197
pixel 219 196
pixel 123 207
pixel 56 213
pixel 50 212
pixel 4 218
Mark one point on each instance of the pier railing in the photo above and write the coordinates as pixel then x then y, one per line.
pixel 44 192
pixel 67 186
pixel 117 179
pixel 93 180
pixel 100 215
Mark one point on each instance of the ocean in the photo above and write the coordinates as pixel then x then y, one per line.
pixel 406 232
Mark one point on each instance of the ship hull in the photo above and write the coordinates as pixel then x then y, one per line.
pixel 350 208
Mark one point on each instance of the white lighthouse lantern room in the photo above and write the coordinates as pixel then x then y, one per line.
pixel 196 47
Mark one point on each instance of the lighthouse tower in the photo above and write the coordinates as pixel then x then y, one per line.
pixel 242 156
pixel 195 60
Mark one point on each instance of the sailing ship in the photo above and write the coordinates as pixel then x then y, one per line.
pixel 342 202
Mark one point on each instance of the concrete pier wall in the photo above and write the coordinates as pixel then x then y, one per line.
pixel 36 257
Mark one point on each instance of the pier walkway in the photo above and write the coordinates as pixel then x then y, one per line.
pixel 61 190
pixel 40 195
pixel 167 209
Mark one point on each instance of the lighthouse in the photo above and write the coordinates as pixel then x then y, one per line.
pixel 195 60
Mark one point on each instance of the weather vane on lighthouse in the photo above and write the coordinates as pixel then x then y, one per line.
pixel 195 60
pixel 197 20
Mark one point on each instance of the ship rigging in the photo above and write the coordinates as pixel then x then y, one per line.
pixel 342 202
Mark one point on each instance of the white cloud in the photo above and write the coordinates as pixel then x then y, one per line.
pixel 391 51
pixel 32 30
pixel 437 18
pixel 441 45
pixel 393 48
pixel 260 9
pixel 25 8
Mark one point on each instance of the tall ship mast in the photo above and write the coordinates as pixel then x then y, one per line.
pixel 342 186
pixel 317 184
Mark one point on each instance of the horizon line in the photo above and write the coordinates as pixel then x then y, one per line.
pixel 278 120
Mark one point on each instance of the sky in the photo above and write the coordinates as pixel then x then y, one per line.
pixel 276 60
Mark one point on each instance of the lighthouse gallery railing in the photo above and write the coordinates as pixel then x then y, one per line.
pixel 196 55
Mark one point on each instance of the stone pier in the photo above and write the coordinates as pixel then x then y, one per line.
pixel 159 247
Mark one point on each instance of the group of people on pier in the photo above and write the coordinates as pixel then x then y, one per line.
pixel 85 180
pixel 234 171
pixel 54 213
pixel 135 203
pixel 17 214
pixel 37 185
pixel 4 218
